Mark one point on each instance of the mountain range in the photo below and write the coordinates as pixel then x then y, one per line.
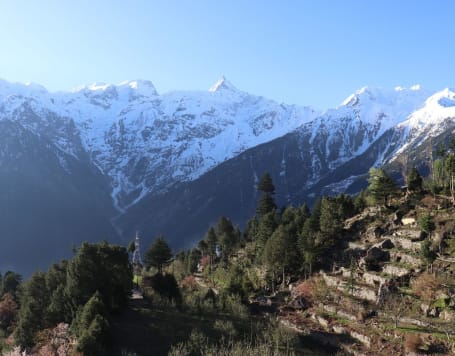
pixel 107 161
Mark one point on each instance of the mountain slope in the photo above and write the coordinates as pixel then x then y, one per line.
pixel 127 155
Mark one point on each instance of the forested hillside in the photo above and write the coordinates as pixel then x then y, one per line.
pixel 369 274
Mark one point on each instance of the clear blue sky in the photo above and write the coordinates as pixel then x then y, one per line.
pixel 304 52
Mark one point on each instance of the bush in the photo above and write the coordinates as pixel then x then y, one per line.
pixel 426 286
pixel 189 283
pixel 165 285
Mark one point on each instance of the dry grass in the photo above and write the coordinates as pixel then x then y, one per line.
pixel 413 343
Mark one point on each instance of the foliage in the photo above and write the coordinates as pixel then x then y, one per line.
pixel 381 185
pixel 99 267
pixel 265 184
pixel 227 237
pixel 266 205
pixel 32 313
pixel 189 283
pixel 92 327
pixel 165 285
pixel 426 286
pixel 280 254
pixel 414 180
pixel 267 225
pixel 158 254
pixel 426 223
pixel 10 283
pixel 426 251
pixel 8 310
pixel 98 273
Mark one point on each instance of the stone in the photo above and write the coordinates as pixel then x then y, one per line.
pixel 408 221
pixel 387 244
pixel 447 315
pixel 395 270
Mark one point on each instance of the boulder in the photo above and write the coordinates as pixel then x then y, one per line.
pixel 409 220
pixel 447 315
pixel 386 244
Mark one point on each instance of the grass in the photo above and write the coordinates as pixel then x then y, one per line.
pixel 154 329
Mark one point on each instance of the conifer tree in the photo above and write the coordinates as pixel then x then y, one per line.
pixel 158 254
pixel 32 315
pixel 91 327
pixel 267 225
pixel 280 252
pixel 414 181
pixel 266 203
pixel 381 185
pixel 99 267
pixel 211 240
pixel 227 237
pixel 265 184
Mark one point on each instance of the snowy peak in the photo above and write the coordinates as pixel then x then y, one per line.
pixel 436 109
pixel 141 87
pixel 137 87
pixel 398 95
pixel 222 85
pixel 444 99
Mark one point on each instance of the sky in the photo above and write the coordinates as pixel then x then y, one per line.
pixel 298 52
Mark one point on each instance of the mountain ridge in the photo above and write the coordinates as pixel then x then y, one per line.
pixel 144 147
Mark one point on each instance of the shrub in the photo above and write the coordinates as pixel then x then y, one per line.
pixel 189 283
pixel 165 285
pixel 426 286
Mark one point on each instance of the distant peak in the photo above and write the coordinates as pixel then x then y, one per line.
pixel 142 87
pixel 98 86
pixel 222 84
pixel 384 95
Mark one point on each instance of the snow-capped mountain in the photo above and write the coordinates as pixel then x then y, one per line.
pixel 145 142
pixel 127 155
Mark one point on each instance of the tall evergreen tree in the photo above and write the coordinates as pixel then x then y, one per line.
pixel 99 267
pixel 266 203
pixel 92 327
pixel 32 313
pixel 10 283
pixel 414 180
pixel 211 240
pixel 265 184
pixel 158 254
pixel 381 185
pixel 267 225
pixel 227 238
pixel 280 252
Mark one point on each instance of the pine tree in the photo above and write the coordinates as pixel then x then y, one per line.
pixel 227 237
pixel 99 267
pixel 10 283
pixel 267 225
pixel 158 254
pixel 414 181
pixel 211 239
pixel 330 221
pixel 266 203
pixel 32 316
pixel 92 328
pixel 265 184
pixel 381 185
pixel 280 252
